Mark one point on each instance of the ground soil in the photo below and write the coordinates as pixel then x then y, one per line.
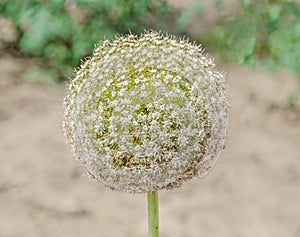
pixel 254 189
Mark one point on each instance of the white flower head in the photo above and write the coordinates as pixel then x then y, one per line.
pixel 146 113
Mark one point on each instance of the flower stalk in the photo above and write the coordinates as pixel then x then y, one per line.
pixel 153 220
pixel 146 113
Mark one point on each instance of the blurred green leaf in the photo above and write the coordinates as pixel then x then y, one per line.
pixel 62 26
pixel 293 8
pixel 285 45
pixel 187 16
pixel 58 53
pixel 274 12
pixel 36 36
pixel 246 3
pixel 218 2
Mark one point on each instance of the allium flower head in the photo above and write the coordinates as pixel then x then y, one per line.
pixel 146 113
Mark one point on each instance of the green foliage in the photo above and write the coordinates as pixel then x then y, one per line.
pixel 264 32
pixel 61 32
pixel 186 16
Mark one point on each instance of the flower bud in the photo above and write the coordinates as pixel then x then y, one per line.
pixel 146 113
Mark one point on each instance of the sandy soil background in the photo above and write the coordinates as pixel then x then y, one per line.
pixel 254 189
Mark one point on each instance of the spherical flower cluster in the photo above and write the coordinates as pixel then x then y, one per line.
pixel 146 113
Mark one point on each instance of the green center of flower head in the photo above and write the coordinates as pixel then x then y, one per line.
pixel 146 113
pixel 141 108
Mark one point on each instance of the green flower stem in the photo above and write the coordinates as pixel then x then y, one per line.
pixel 153 230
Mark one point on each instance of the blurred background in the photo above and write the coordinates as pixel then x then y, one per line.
pixel 254 190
